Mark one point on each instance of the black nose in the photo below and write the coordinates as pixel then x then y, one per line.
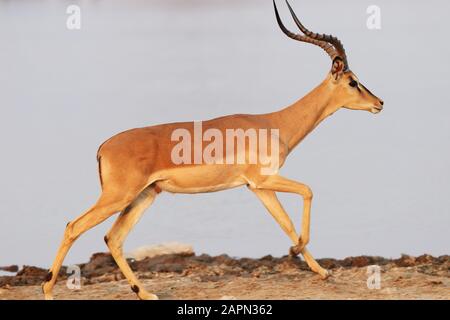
pixel 382 102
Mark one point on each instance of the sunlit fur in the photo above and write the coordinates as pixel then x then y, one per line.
pixel 356 98
pixel 136 165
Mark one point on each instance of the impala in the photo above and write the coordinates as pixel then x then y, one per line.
pixel 136 165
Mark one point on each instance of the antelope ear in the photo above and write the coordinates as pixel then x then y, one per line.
pixel 337 69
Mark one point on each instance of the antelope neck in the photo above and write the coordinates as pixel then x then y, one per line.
pixel 299 119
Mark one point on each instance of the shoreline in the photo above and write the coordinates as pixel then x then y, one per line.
pixel 190 276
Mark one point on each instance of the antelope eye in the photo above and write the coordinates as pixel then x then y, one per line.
pixel 353 83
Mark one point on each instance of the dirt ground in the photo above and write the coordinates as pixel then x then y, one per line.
pixel 222 277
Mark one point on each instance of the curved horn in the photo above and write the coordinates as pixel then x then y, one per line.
pixel 332 46
pixel 321 37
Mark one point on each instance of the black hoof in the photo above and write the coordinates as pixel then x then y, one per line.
pixel 293 251
pixel 135 289
pixel 49 276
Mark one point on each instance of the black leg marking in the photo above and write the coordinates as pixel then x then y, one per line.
pixel 106 239
pixel 49 276
pixel 126 210
pixel 67 224
pixel 135 289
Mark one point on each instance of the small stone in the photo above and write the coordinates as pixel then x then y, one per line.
pixel 361 261
pixel 328 263
pixel 425 258
pixel 405 261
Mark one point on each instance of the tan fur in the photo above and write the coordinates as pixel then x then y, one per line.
pixel 136 165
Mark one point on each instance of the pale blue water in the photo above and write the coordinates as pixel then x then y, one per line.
pixel 381 183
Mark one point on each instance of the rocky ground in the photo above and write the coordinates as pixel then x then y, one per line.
pixel 181 276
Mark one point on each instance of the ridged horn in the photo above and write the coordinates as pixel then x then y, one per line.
pixel 332 45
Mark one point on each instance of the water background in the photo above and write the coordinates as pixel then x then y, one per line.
pixel 381 183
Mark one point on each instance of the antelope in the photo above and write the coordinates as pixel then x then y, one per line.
pixel 135 166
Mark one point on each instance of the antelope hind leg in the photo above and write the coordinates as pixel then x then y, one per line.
pixel 119 231
pixel 97 214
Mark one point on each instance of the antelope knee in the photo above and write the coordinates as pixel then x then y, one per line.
pixel 112 242
pixel 307 193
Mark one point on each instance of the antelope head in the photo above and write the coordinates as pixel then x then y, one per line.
pixel 347 91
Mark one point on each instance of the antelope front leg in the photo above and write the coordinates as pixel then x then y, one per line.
pixel 303 240
pixel 281 184
pixel 265 192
